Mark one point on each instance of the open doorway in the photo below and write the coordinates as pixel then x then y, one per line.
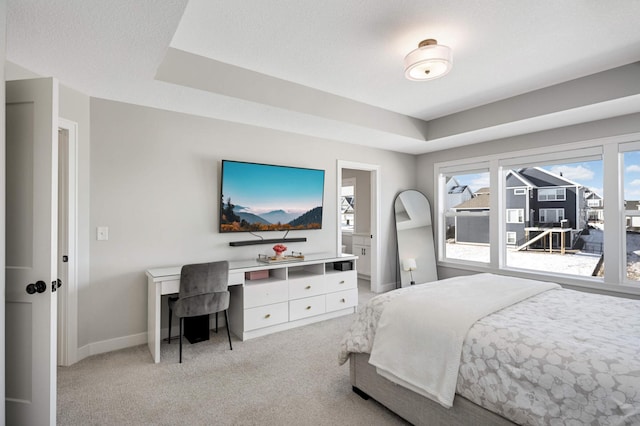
pixel 358 211
pixel 67 243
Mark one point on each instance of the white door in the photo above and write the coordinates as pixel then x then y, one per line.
pixel 31 240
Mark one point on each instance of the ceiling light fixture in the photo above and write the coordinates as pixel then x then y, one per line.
pixel 430 60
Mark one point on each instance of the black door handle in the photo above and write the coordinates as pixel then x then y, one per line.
pixel 38 287
pixel 41 286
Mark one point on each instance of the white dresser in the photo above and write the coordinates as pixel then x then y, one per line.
pixel 292 294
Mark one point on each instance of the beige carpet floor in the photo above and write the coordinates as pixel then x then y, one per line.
pixel 286 378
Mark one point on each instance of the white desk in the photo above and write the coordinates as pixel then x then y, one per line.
pixel 284 275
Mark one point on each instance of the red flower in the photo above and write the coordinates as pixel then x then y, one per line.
pixel 279 248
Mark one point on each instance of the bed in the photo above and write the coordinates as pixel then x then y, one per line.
pixel 532 353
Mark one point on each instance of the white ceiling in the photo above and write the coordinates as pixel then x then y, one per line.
pixel 349 52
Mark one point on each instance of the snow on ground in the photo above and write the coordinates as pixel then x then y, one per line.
pixel 575 264
pixel 581 264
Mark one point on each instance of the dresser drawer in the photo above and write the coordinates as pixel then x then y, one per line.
pixel 264 316
pixel 342 299
pixel 308 307
pixel 337 281
pixel 305 287
pixel 265 293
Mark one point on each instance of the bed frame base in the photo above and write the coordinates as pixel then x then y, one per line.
pixel 361 394
pixel 413 407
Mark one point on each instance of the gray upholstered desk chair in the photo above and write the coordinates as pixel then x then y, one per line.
pixel 203 291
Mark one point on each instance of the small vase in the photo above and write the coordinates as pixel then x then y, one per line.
pixel 279 255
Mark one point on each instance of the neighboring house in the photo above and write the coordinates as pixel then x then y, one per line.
pixel 633 222
pixel 537 202
pixel 456 194
pixel 595 204
pixel 473 229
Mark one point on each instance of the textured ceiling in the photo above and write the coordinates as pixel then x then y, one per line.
pixel 349 53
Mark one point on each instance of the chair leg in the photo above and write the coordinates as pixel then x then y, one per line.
pixel 226 318
pixel 181 321
pixel 170 316
pixel 216 322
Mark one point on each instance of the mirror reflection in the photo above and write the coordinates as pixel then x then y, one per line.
pixel 414 233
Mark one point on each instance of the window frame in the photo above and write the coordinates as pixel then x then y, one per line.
pixel 552 189
pixel 607 149
pixel 443 215
pixel 519 212
pixel 556 210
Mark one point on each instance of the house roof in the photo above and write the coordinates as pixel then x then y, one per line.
pixel 541 178
pixel 480 201
pixel 458 189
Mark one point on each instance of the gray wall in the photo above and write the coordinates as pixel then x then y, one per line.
pixel 582 132
pixel 155 184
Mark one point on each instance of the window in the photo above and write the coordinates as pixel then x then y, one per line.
pixel 515 216
pixel 348 205
pixel 552 194
pixel 547 232
pixel 631 177
pixel 551 215
pixel 465 214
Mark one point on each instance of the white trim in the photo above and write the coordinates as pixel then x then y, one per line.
pixel 69 290
pixel 608 150
pixel 376 264
pixel 519 213
pixel 549 190
pixel 110 345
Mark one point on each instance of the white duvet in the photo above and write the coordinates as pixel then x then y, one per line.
pixel 420 334
pixel 561 357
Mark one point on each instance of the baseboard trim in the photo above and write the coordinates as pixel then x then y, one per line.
pixel 387 287
pixel 111 345
pixel 118 343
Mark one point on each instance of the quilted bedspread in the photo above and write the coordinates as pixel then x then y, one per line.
pixel 562 357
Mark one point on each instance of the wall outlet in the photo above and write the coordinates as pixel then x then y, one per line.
pixel 102 233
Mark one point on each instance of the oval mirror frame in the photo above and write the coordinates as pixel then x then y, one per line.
pixel 414 237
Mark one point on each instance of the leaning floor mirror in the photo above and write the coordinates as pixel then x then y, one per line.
pixel 414 233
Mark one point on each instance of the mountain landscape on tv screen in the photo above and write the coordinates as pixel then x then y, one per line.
pixel 239 218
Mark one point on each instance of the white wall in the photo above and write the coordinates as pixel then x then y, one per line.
pixel 155 184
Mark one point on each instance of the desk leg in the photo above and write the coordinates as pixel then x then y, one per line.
pixel 153 319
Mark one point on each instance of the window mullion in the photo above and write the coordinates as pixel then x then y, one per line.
pixel 615 258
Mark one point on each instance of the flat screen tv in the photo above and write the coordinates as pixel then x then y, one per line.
pixel 263 197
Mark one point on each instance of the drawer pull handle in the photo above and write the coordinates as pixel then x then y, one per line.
pixel 267 316
pixel 342 300
pixel 342 282
pixel 308 308
pixel 308 287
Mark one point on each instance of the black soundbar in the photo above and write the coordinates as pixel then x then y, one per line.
pixel 270 241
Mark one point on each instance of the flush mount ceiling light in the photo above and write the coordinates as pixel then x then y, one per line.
pixel 430 60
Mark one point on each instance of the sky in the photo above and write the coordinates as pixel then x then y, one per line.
pixel 264 188
pixel 586 173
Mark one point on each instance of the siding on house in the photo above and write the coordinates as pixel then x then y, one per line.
pixel 535 198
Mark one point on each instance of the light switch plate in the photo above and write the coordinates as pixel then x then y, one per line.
pixel 102 233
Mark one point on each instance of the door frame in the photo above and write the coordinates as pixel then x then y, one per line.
pixel 374 169
pixel 68 293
